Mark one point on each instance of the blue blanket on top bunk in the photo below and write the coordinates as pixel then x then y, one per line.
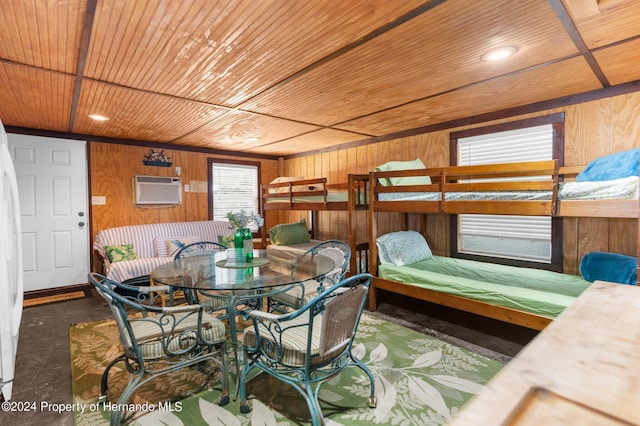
pixel 612 267
pixel 613 166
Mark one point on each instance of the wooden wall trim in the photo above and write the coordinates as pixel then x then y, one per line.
pixel 511 125
pixel 131 142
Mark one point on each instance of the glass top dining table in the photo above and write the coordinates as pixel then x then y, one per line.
pixel 212 271
pixel 244 283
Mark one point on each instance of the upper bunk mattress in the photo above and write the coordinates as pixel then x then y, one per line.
pixel 618 189
pixel 331 197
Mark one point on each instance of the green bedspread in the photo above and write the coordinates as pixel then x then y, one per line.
pixel 532 290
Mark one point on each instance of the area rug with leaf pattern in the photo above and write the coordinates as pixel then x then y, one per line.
pixel 420 380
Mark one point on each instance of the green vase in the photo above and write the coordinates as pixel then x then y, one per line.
pixel 247 238
pixel 238 239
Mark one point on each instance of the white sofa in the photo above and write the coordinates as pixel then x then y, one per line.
pixel 151 245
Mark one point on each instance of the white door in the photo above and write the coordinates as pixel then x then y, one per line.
pixel 52 185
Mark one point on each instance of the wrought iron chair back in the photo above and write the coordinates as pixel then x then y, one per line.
pixel 308 346
pixel 224 303
pixel 198 247
pixel 159 340
pixel 339 252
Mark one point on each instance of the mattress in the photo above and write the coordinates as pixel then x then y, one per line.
pixel 293 249
pixel 531 290
pixel 619 189
pixel 331 197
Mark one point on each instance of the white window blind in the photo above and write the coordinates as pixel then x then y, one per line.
pixel 235 188
pixel 507 236
pixel 527 144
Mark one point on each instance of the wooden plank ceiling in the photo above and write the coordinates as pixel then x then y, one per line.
pixel 280 77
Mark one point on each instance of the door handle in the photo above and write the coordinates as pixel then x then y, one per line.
pixel 80 224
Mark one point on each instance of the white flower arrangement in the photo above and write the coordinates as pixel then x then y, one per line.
pixel 243 219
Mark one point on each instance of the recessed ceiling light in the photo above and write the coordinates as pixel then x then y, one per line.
pixel 499 53
pixel 98 117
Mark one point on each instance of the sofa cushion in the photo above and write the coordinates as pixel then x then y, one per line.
pixel 293 250
pixel 129 269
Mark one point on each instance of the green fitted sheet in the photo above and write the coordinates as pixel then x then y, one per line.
pixel 532 290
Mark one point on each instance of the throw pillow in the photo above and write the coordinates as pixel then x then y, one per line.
pixel 402 248
pixel 226 240
pixel 118 253
pixel 162 249
pixel 289 233
pixel 176 244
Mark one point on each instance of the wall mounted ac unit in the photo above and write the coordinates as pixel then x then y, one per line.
pixel 157 190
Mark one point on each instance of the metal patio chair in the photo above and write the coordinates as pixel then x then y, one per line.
pixel 308 346
pixel 224 303
pixel 160 340
pixel 298 295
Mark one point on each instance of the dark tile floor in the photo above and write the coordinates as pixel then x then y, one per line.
pixel 43 369
pixel 43 373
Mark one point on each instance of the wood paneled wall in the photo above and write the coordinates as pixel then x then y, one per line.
pixel 113 166
pixel 592 129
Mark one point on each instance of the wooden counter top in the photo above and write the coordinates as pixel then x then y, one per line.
pixel 582 369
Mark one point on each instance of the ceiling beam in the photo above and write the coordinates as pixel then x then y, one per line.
pixel 574 34
pixel 87 27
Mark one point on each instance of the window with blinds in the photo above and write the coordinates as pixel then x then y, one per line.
pixel 234 188
pixel 514 237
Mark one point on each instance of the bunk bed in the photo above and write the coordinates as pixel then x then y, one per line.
pixel 526 188
pixel 317 195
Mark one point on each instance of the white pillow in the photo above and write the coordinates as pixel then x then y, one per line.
pixel 284 189
pixel 402 248
pixel 162 248
pixel 403 181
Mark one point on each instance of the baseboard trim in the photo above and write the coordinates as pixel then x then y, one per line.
pixel 39 297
